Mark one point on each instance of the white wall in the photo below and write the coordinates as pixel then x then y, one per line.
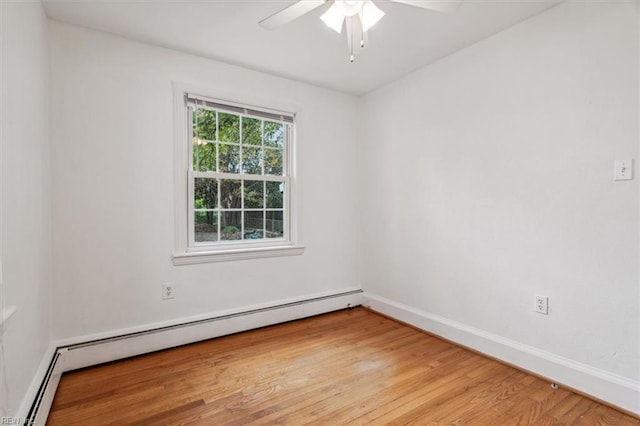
pixel 112 166
pixel 488 179
pixel 25 200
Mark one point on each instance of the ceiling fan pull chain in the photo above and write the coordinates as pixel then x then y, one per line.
pixel 351 52
pixel 350 35
pixel 363 30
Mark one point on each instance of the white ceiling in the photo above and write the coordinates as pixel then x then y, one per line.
pixel 406 39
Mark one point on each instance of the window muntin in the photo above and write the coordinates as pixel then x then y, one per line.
pixel 239 175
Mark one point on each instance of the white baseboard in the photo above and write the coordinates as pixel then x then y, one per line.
pixel 85 351
pixel 613 389
pixel 36 386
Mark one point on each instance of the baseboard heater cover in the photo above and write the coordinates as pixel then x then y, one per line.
pixel 98 351
pixel 44 397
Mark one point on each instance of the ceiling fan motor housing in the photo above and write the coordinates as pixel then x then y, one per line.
pixel 349 7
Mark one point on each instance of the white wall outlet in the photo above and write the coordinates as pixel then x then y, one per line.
pixel 623 170
pixel 168 291
pixel 542 305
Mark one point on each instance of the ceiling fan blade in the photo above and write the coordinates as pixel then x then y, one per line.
pixel 290 13
pixel 444 6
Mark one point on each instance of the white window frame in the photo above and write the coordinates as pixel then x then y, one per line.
pixel 187 250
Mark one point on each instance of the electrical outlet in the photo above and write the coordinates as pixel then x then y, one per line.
pixel 542 305
pixel 168 291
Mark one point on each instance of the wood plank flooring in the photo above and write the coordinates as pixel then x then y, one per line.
pixel 347 367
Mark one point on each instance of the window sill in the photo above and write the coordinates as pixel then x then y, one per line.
pixel 236 254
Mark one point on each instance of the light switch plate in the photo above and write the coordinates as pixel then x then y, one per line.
pixel 623 170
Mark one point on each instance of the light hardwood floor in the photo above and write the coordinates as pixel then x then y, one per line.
pixel 347 367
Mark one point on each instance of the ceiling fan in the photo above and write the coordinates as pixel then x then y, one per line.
pixel 357 15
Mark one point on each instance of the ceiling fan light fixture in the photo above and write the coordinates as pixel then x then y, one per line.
pixel 370 14
pixel 333 18
pixel 358 16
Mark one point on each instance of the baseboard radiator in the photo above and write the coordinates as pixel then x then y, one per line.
pixel 89 352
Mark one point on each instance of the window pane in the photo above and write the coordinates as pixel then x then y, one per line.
pixel 273 161
pixel 252 160
pixel 230 194
pixel 205 193
pixel 275 192
pixel 229 149
pixel 206 226
pixel 229 158
pixel 251 131
pixel 275 225
pixel 230 225
pixel 253 225
pixel 229 127
pixel 204 156
pixel 253 194
pixel 205 124
pixel 273 134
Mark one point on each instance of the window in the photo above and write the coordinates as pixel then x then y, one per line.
pixel 238 178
